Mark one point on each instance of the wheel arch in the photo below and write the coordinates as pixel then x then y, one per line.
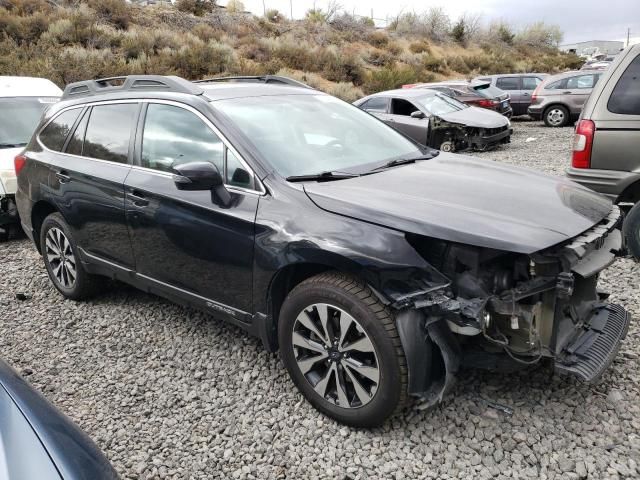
pixel 41 210
pixel 631 193
pixel 556 104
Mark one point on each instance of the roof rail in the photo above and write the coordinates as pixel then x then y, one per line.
pixel 130 83
pixel 256 79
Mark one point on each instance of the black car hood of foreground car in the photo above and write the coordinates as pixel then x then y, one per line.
pixel 464 200
pixel 39 442
pixel 477 117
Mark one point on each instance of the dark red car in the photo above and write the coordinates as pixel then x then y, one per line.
pixel 477 94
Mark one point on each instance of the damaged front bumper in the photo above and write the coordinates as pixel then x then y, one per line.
pixel 485 138
pixel 557 312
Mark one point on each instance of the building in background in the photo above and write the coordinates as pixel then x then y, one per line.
pixel 593 48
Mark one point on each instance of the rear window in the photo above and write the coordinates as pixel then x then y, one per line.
pixel 488 92
pixel 55 134
pixel 376 104
pixel 625 98
pixel 581 81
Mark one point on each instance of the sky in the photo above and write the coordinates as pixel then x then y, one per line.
pixel 580 20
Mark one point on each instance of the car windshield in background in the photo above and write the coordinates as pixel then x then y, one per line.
pixel 308 134
pixel 441 104
pixel 20 116
pixel 489 91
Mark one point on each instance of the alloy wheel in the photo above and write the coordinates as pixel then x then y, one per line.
pixel 555 116
pixel 336 355
pixel 60 257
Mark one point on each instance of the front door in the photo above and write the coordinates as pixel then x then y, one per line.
pixel 87 178
pixel 185 242
pixel 400 118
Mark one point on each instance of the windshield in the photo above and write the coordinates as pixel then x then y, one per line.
pixel 440 104
pixel 308 134
pixel 489 92
pixel 19 117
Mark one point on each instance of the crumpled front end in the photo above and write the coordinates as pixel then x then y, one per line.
pixel 502 310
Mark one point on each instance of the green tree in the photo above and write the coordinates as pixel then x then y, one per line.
pixel 459 31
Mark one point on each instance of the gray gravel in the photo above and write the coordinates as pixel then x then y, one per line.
pixel 167 392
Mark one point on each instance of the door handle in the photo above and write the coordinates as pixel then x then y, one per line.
pixel 138 198
pixel 525 94
pixel 63 177
pixel 567 92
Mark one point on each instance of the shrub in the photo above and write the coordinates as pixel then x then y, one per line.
pixel 274 16
pixel 420 46
pixel 378 38
pixel 378 57
pixel 206 32
pixel 196 7
pixel 345 91
pixel 235 6
pixel 115 12
pixel 199 59
pixel 389 78
pixel 434 64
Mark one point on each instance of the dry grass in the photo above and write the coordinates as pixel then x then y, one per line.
pixel 347 58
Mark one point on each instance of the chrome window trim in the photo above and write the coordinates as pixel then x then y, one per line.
pixel 262 191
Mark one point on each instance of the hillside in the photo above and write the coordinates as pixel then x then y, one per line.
pixel 343 55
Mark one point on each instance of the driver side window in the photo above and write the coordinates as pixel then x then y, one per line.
pixel 173 135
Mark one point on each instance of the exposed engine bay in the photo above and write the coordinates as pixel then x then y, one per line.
pixel 455 137
pixel 502 310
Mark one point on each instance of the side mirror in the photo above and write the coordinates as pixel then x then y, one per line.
pixel 417 114
pixel 196 176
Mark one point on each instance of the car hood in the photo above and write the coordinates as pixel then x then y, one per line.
pixel 461 199
pixel 8 183
pixel 477 117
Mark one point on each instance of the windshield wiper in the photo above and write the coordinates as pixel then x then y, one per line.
pixel 405 161
pixel 12 145
pixel 322 176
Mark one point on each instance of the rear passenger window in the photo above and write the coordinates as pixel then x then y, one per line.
pixel 55 134
pixel 173 135
pixel 376 104
pixel 582 81
pixel 530 83
pixel 625 98
pixel 508 83
pixel 109 131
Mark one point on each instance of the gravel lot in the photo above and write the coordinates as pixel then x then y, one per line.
pixel 167 392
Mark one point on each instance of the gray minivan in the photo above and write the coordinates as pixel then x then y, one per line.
pixel 519 86
pixel 606 148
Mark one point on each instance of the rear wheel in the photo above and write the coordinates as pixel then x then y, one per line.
pixel 556 116
pixel 342 350
pixel 62 261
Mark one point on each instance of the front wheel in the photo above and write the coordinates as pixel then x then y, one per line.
pixel 342 350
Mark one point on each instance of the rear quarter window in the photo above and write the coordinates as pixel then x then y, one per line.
pixel 54 135
pixel 556 85
pixel 625 97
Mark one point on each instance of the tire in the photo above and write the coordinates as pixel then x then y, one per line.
pixel 371 342
pixel 56 237
pixel 631 231
pixel 447 147
pixel 556 116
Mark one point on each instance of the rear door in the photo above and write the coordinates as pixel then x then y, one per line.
pixel 577 91
pixel 185 242
pixel 528 86
pixel 400 118
pixel 616 145
pixel 87 176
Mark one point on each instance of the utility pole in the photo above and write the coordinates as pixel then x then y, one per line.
pixel 264 8
pixel 628 33
pixel 291 8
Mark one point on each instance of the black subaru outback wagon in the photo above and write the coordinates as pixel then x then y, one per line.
pixel 378 267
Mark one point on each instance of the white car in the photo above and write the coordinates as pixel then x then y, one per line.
pixel 22 102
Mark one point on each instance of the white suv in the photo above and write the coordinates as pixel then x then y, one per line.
pixel 22 101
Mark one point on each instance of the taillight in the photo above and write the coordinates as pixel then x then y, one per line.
pixel 582 143
pixel 486 103
pixel 410 85
pixel 534 95
pixel 18 163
